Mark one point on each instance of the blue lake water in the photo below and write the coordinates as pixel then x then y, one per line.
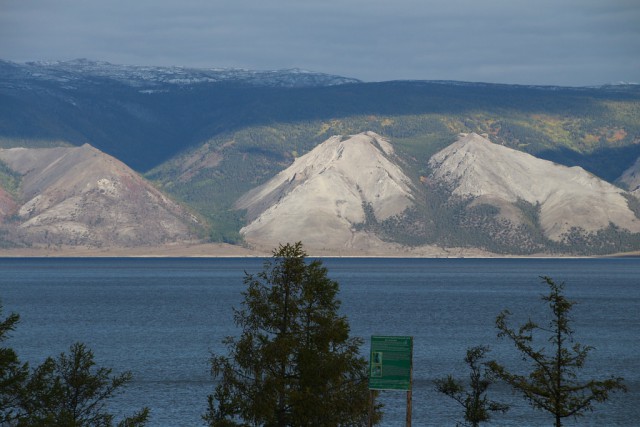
pixel 161 318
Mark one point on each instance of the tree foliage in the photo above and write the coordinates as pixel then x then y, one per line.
pixel 71 390
pixel 477 406
pixel 553 384
pixel 12 373
pixel 68 391
pixel 294 363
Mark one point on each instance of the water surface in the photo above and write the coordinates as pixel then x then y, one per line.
pixel 161 318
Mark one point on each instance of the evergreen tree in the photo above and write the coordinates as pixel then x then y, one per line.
pixel 553 384
pixel 70 391
pixel 477 407
pixel 12 373
pixel 294 363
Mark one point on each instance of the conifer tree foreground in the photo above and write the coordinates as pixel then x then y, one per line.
pixel 477 406
pixel 12 373
pixel 72 391
pixel 294 363
pixel 67 391
pixel 553 385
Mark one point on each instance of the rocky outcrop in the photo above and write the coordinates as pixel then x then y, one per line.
pixel 568 196
pixel 321 198
pixel 81 196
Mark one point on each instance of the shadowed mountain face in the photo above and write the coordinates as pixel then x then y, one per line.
pixel 323 196
pixel 81 196
pixel 630 179
pixel 144 116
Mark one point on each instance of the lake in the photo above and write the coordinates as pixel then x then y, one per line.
pixel 161 318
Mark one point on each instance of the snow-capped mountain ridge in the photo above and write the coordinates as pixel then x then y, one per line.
pixel 150 76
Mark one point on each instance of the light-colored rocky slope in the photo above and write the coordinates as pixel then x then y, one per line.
pixel 319 199
pixel 81 196
pixel 568 197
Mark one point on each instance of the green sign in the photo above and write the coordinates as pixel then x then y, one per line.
pixel 390 363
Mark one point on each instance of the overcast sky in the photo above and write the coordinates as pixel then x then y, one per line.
pixel 558 42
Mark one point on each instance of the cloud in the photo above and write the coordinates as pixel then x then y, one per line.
pixel 573 42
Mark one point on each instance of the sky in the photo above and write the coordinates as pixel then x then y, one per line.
pixel 544 42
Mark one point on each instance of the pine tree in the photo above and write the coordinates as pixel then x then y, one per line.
pixel 477 407
pixel 294 363
pixel 553 383
pixel 12 373
pixel 71 390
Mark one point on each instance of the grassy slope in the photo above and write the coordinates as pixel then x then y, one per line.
pixel 9 180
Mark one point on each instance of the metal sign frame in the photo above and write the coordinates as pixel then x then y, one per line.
pixel 391 368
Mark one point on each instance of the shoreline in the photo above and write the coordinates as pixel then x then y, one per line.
pixel 223 250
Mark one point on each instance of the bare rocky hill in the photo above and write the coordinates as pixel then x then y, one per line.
pixel 568 197
pixel 325 194
pixel 81 196
pixel 351 194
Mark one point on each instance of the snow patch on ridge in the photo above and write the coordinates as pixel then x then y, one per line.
pixel 147 77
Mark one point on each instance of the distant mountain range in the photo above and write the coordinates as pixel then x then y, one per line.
pixel 149 77
pixel 104 155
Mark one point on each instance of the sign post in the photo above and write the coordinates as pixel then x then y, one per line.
pixel 391 367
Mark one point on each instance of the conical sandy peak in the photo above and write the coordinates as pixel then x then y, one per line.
pixel 569 196
pixel 82 196
pixel 320 198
